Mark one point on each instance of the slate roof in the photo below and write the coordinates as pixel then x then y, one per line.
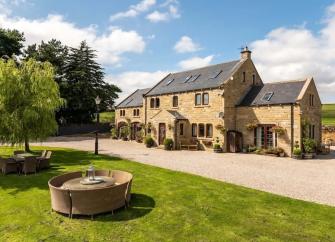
pixel 177 115
pixel 283 93
pixel 176 82
pixel 134 100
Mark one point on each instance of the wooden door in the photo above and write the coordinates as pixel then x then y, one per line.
pixel 234 141
pixel 161 133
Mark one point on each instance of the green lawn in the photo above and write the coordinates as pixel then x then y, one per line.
pixel 166 206
pixel 328 114
pixel 107 117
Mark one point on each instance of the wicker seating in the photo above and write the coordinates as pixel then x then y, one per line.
pixel 90 201
pixel 44 160
pixel 8 165
pixel 29 165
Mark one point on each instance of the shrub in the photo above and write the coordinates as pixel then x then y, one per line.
pixel 149 141
pixel 168 144
pixel 216 146
pixel 297 151
pixel 309 145
pixel 113 133
pixel 252 148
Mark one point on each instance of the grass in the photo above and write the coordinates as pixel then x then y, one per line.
pixel 328 114
pixel 166 206
pixel 107 117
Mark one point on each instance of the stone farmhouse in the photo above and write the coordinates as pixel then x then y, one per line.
pixel 227 102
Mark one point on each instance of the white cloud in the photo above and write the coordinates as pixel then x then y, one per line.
pixel 7 5
pixel 132 80
pixel 186 44
pixel 134 10
pixel 110 45
pixel 195 62
pixel 290 53
pixel 158 16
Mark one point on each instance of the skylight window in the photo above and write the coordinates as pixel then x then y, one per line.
pixel 188 78
pixel 169 82
pixel 194 78
pixel 215 74
pixel 267 96
pixel 129 101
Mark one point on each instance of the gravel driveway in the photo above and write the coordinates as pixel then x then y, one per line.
pixel 310 180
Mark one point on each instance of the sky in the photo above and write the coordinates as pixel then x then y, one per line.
pixel 139 42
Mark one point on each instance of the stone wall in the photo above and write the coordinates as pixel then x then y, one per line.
pixel 129 115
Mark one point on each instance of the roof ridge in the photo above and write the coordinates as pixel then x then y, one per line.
pixel 200 68
pixel 287 81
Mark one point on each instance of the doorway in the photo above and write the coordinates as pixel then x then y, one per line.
pixel 161 133
pixel 234 143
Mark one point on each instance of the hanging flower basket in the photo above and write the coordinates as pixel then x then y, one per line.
pixel 278 129
pixel 221 128
pixel 250 126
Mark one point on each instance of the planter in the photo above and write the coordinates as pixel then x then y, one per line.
pixel 297 157
pixel 282 154
pixel 114 137
pixel 125 139
pixel 218 150
pixel 148 145
pixel 309 155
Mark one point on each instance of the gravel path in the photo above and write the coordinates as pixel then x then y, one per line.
pixel 310 180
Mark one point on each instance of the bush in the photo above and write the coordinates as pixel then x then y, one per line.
pixel 309 145
pixel 113 133
pixel 297 151
pixel 216 146
pixel 168 144
pixel 252 148
pixel 149 141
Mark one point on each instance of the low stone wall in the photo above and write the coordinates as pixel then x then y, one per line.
pixel 328 134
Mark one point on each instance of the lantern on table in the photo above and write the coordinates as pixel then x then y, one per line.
pixel 91 173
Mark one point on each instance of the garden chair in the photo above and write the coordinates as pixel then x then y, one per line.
pixel 17 152
pixel 29 165
pixel 8 165
pixel 44 161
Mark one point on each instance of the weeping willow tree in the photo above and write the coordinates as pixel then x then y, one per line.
pixel 29 97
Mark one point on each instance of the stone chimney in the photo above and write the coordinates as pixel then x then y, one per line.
pixel 245 53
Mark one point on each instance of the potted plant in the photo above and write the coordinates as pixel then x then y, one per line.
pixel 124 133
pixel 278 129
pixel 280 152
pixel 113 133
pixel 217 147
pixel 168 144
pixel 251 148
pixel 149 141
pixel 309 147
pixel 139 136
pixel 250 126
pixel 297 153
pixel 220 128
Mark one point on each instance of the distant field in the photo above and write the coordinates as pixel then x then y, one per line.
pixel 107 117
pixel 328 114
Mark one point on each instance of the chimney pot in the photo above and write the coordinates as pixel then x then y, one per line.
pixel 245 53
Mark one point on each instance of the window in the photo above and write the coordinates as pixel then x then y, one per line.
pixel 215 74
pixel 311 131
pixel 157 103
pixel 194 130
pixel 169 82
pixel 152 103
pixel 175 101
pixel 135 112
pixel 197 99
pixel 253 79
pixel 209 130
pixel 243 76
pixel 181 129
pixel 265 137
pixel 201 130
pixel 194 78
pixel 122 113
pixel 311 100
pixel 267 96
pixel 188 78
pixel 205 98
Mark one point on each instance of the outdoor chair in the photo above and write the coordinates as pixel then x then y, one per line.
pixel 8 165
pixel 17 152
pixel 44 161
pixel 60 198
pixel 29 165
pixel 122 177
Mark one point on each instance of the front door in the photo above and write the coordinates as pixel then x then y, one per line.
pixel 234 143
pixel 161 133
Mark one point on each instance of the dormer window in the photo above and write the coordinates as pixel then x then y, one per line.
pixel 267 96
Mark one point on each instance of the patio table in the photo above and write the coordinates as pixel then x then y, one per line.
pixel 75 184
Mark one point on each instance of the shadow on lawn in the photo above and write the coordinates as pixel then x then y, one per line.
pixel 140 206
pixel 62 161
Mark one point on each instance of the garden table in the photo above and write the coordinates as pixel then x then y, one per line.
pixel 75 184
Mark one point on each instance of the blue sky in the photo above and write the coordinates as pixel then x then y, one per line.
pixel 141 41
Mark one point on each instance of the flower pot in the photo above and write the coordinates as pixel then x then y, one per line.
pixel 282 154
pixel 309 156
pixel 297 157
pixel 218 150
pixel 124 138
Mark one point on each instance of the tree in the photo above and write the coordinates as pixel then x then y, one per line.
pixel 83 81
pixel 29 97
pixel 11 42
